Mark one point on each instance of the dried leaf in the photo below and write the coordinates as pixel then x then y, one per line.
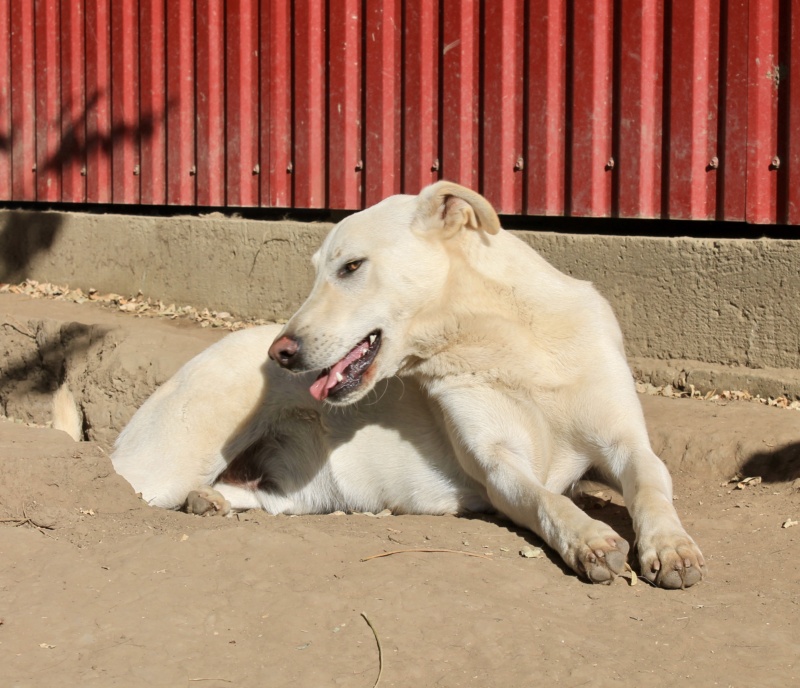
pixel 631 574
pixel 531 552
pixel 754 480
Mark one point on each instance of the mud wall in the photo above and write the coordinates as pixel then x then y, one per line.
pixel 714 313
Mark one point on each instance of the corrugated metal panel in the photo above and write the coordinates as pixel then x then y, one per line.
pixel 309 101
pixel 125 124
pixel 383 98
pixel 23 106
pixel 621 108
pixel 153 102
pixel 181 117
pixel 210 101
pixel 276 103
pixel 98 101
pixel 789 116
pixel 5 100
pixel 546 108
pixel 241 107
pixel 72 145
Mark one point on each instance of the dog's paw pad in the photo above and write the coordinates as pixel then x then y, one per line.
pixel 601 560
pixel 206 501
pixel 672 561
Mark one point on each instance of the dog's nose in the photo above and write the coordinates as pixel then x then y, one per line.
pixel 284 351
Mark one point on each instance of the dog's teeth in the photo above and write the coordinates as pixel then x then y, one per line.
pixel 372 339
pixel 339 377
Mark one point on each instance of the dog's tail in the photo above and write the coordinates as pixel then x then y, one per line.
pixel 66 415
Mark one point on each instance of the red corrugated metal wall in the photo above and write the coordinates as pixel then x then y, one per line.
pixel 622 108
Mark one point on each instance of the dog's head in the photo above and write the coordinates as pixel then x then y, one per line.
pixel 375 272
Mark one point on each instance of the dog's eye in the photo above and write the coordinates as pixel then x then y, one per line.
pixel 350 267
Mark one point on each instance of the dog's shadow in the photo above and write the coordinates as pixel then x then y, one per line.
pixel 608 509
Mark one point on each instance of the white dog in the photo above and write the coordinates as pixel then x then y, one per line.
pixel 498 382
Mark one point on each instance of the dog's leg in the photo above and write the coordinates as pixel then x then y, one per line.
pixel 206 501
pixel 668 556
pixel 615 425
pixel 502 452
pixel 588 546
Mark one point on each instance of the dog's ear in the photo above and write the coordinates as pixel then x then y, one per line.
pixel 447 207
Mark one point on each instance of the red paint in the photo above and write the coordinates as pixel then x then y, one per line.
pixel 503 160
pixel 382 154
pixel 276 103
pixel 691 178
pixel 546 110
pixel 763 76
pixel 732 150
pixel 72 145
pixel 47 31
pixel 637 159
pixel 98 101
pixel 790 108
pixel 181 162
pixel 125 131
pixel 460 91
pixel 153 102
pixel 629 108
pixel 210 101
pixel 345 158
pixel 242 167
pixel 23 106
pixel 589 146
pixel 5 99
pixel 420 146
pixel 308 169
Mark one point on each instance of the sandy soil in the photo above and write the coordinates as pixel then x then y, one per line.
pixel 97 589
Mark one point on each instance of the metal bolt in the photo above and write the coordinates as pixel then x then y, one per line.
pixel 359 166
pixel 435 166
pixel 610 164
pixel 33 169
pixel 714 163
pixel 83 171
pixel 519 165
pixel 289 168
pixel 193 170
pixel 776 163
pixel 136 171
pixel 257 169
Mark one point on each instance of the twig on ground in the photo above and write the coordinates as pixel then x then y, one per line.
pixel 402 551
pixel 41 527
pixel 380 650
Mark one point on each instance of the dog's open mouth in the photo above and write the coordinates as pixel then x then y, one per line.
pixel 345 375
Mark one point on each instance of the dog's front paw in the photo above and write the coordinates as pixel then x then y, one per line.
pixel 672 560
pixel 602 559
pixel 206 501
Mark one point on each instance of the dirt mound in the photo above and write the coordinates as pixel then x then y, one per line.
pixel 97 589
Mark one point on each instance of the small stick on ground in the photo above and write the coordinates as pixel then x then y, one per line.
pixel 27 519
pixel 380 651
pixel 402 551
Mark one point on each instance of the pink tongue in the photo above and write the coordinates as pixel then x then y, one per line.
pixel 324 383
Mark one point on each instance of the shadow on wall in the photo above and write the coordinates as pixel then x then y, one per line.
pixel 24 235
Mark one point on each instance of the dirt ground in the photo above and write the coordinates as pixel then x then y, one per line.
pixel 98 589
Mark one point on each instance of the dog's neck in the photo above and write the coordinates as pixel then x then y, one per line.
pixel 471 313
